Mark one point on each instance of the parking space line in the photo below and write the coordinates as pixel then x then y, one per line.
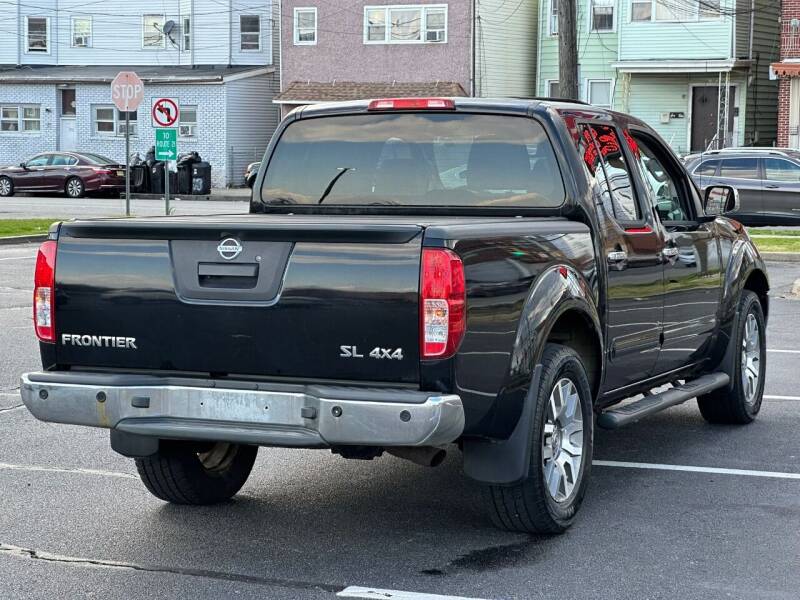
pixel 372 593
pixel 766 397
pixel 18 258
pixel 693 469
pixel 34 468
pixel 783 351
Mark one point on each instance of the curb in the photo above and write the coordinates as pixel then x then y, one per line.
pixel 781 256
pixel 185 198
pixel 23 239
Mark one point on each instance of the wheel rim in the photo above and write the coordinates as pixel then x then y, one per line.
pixel 751 358
pixel 562 442
pixel 219 457
pixel 5 187
pixel 74 187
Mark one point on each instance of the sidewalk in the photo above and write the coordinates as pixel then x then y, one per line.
pixel 241 194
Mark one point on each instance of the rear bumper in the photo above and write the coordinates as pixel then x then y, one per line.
pixel 244 412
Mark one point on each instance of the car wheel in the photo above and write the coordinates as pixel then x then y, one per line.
pixel 6 186
pixel 74 187
pixel 188 473
pixel 740 403
pixel 561 452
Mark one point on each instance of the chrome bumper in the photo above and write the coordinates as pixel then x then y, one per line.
pixel 249 413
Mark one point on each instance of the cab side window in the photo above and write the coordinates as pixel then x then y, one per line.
pixel 661 186
pixel 601 151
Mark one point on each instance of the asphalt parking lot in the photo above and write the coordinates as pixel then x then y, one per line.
pixel 76 522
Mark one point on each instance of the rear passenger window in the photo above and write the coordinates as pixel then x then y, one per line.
pixel 709 167
pixel 777 169
pixel 739 168
pixel 602 153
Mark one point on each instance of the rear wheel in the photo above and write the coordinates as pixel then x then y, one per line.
pixel 561 452
pixel 6 186
pixel 185 473
pixel 741 402
pixel 74 187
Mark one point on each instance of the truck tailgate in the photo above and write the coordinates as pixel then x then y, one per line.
pixel 296 292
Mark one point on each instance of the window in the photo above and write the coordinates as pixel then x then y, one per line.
pixel 305 26
pixel 39 161
pixel 602 15
pixel 602 154
pixel 739 168
pixel 187 33
pixel 778 169
pixel 81 32
pixel 709 9
pixel 673 10
pixel 553 17
pixel 121 122
pixel 553 89
pixel 709 167
pixel 108 121
pixel 641 10
pixel 415 159
pixel 26 119
pixel 38 34
pixel 249 33
pixel 62 160
pixel 599 93
pixel 406 24
pixel 153 32
pixel 187 127
pixel 660 183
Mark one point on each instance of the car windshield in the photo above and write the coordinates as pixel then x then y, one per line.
pixel 433 159
pixel 98 159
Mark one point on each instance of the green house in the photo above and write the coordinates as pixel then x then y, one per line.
pixel 695 70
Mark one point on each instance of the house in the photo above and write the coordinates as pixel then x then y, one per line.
pixel 695 70
pixel 218 60
pixel 381 48
pixel 788 71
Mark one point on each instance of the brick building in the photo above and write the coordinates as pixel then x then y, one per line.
pixel 788 71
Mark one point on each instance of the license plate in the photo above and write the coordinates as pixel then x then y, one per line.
pixel 120 173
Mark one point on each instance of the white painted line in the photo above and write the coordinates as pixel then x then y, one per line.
pixel 33 468
pixel 372 593
pixel 781 397
pixel 18 258
pixel 692 469
pixel 784 351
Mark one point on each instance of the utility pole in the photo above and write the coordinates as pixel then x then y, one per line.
pixel 567 49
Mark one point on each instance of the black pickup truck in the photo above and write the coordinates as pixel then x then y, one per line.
pixel 498 274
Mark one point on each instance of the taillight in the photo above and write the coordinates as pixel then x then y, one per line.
pixel 43 292
pixel 101 171
pixel 443 314
pixel 412 104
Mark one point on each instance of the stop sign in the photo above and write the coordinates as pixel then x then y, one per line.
pixel 127 91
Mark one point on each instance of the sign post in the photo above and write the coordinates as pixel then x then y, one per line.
pixel 127 93
pixel 165 115
pixel 166 150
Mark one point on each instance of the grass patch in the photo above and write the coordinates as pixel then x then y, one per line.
pixel 12 227
pixel 765 244
pixel 781 232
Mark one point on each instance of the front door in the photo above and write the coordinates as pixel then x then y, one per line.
pixel 66 139
pixel 705 105
pixel 794 113
pixel 33 176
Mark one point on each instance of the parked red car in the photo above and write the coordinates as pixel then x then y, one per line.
pixel 71 173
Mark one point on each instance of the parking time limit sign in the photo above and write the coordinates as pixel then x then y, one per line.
pixel 166 143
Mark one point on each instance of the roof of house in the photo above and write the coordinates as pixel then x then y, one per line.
pixel 302 92
pixel 105 74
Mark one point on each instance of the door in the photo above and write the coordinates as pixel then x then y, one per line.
pixel 794 113
pixel 744 174
pixel 61 166
pixel 33 176
pixel 66 140
pixel 632 253
pixel 705 104
pixel 691 262
pixel 780 190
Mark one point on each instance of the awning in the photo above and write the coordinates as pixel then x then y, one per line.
pixel 783 69
pixel 680 66
pixel 312 92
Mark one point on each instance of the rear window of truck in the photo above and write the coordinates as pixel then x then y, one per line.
pixel 415 159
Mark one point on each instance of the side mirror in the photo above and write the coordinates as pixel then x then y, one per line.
pixel 720 200
pixel 22 165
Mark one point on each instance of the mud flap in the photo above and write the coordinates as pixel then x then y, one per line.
pixel 505 462
pixel 132 445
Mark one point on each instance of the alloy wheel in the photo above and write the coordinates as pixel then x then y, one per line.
pixel 74 188
pixel 562 442
pixel 751 358
pixel 5 186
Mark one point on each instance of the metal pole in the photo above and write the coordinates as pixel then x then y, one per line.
pixel 166 186
pixel 127 162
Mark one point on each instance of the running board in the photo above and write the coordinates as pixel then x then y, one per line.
pixel 649 405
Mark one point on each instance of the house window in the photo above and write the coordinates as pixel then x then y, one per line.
pixel 709 9
pixel 602 15
pixel 188 121
pixel 108 121
pixel 553 90
pixel 305 26
pixel 121 122
pixel 553 17
pixel 38 34
pixel 81 32
pixel 250 33
pixel 599 92
pixel 641 10
pixel 26 119
pixel 408 24
pixel 187 33
pixel 153 32
pixel 672 11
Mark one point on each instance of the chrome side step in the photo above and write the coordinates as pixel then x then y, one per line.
pixel 651 404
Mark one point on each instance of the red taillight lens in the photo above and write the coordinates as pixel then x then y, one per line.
pixel 101 171
pixel 43 292
pixel 443 315
pixel 412 104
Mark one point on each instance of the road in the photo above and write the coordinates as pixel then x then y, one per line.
pixel 76 522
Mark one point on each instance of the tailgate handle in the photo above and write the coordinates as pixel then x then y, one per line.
pixel 221 270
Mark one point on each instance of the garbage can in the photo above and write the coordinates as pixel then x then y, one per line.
pixel 140 178
pixel 184 175
pixel 201 178
pixel 157 178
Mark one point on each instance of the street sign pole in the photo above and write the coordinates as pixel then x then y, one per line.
pixel 127 93
pixel 166 150
pixel 166 188
pixel 127 163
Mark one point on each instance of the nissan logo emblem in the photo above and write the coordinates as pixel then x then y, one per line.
pixel 229 248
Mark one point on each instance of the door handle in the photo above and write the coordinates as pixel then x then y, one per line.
pixel 617 260
pixel 772 187
pixel 669 252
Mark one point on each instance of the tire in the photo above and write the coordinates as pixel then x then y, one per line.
pixel 739 404
pixel 530 506
pixel 74 188
pixel 6 186
pixel 183 473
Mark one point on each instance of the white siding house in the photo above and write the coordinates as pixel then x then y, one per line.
pixel 218 58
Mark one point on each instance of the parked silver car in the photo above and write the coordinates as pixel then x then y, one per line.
pixel 768 180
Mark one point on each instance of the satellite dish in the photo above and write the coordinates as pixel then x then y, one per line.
pixel 169 26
